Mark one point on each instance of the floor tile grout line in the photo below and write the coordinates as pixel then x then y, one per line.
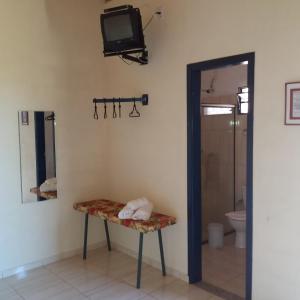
pixel 57 293
pixel 82 293
pixel 16 291
pixel 119 279
pixel 155 290
pixel 71 286
pixel 149 293
pixel 19 274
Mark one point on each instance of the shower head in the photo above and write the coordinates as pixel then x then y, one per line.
pixel 211 88
pixel 208 91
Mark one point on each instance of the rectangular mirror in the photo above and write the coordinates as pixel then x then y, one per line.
pixel 37 155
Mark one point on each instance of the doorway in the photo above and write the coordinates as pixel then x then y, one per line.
pixel 195 107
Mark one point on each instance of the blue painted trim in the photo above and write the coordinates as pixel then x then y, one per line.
pixel 194 164
pixel 249 203
pixel 40 148
pixel 194 169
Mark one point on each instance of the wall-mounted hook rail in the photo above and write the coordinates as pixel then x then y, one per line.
pixel 144 100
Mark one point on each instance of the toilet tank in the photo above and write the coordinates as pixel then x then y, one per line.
pixel 244 194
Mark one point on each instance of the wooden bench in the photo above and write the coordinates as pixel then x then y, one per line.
pixel 108 211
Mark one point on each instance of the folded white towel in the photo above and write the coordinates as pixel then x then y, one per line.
pixel 125 213
pixel 143 213
pixel 136 204
pixel 49 185
pixel 52 180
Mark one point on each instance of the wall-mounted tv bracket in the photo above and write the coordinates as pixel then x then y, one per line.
pixel 134 113
pixel 117 8
pixel 142 59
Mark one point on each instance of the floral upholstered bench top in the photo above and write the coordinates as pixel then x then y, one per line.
pixel 109 210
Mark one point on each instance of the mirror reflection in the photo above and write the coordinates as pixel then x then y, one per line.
pixel 37 154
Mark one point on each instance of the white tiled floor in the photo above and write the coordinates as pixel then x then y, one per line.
pixel 226 267
pixel 103 276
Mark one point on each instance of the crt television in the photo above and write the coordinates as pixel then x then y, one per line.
pixel 122 30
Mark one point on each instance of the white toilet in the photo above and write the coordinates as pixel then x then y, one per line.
pixel 237 220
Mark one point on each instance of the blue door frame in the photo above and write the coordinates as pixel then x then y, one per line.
pixel 194 164
pixel 40 149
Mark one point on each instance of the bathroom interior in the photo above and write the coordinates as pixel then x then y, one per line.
pixel 224 107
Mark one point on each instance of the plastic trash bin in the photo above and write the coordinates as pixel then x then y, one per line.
pixel 215 235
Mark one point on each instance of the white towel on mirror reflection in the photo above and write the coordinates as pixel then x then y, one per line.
pixel 143 213
pixel 49 185
pixel 125 213
pixel 136 204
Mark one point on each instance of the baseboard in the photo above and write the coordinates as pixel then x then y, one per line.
pixel 67 254
pixel 150 261
pixel 48 260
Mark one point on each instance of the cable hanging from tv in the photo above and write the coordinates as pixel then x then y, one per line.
pixel 156 13
pixel 117 107
pixel 123 36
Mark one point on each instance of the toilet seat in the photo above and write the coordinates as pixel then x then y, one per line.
pixel 239 215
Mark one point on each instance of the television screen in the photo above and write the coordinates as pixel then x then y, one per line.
pixel 122 31
pixel 118 28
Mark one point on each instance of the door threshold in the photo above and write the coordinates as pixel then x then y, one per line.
pixel 218 291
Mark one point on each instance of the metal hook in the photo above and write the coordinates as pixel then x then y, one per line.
pixel 134 113
pixel 96 116
pixel 105 109
pixel 119 108
pixel 114 109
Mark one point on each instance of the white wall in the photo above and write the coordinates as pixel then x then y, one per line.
pixel 148 155
pixel 50 61
pixel 226 80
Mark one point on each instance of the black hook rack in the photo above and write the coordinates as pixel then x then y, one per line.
pixel 144 100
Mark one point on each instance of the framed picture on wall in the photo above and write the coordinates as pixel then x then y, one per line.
pixel 292 103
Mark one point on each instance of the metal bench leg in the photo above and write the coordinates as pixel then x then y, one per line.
pixel 139 270
pixel 86 226
pixel 162 258
pixel 107 235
